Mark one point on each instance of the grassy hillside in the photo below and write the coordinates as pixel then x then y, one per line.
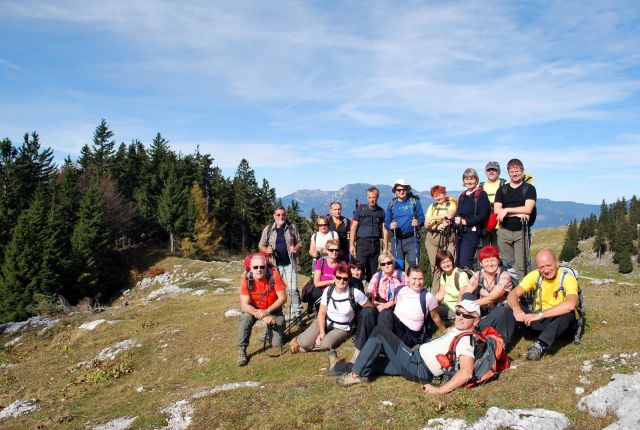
pixel 187 345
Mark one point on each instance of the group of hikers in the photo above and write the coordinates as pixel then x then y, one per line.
pixel 368 284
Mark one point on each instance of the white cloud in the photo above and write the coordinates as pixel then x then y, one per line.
pixel 463 68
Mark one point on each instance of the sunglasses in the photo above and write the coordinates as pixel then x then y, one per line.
pixel 258 267
pixel 322 225
pixel 492 170
pixel 400 189
pixel 465 316
pixel 334 250
pixel 385 263
pixel 341 278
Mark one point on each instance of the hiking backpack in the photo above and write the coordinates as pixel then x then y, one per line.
pixel 537 298
pixel 352 302
pixel 399 272
pixel 428 328
pixel 501 182
pixel 489 352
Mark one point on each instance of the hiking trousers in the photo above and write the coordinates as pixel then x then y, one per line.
pixel 431 243
pixel 290 278
pixel 399 359
pixel 389 320
pixel 275 333
pixel 367 251
pixel 511 245
pixel 367 321
pixel 333 338
pixel 406 249
pixel 467 245
pixel 549 329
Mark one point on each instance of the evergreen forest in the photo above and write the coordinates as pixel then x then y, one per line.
pixel 615 230
pixel 63 228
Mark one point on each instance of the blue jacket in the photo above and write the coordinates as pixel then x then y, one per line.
pixel 403 213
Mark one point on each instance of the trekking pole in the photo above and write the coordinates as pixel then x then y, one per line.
pixel 525 240
pixel 415 243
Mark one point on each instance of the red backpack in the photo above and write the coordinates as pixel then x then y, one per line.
pixel 490 356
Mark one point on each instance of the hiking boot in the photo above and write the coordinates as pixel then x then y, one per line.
pixel 351 379
pixel 536 352
pixel 242 356
pixel 294 346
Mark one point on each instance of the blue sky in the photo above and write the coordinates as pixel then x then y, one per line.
pixel 319 94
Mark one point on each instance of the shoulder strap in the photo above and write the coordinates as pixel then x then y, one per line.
pixel 481 185
pixel 269 228
pixel 329 293
pixel 250 285
pixel 502 181
pixel 352 298
pixel 456 279
pixel 538 293
pixel 423 303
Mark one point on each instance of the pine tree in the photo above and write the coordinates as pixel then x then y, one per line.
pixel 22 262
pixel 599 244
pixel 90 247
pixel 56 275
pixel 246 207
pixel 624 264
pixel 8 192
pixel 172 210
pixel 570 248
pixel 102 149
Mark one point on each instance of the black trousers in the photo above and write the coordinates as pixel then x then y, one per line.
pixel 550 329
pixel 367 251
pixel 399 359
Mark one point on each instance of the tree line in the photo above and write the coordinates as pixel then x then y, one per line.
pixel 62 228
pixel 615 230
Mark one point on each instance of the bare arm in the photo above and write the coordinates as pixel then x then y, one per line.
pixel 435 316
pixel 496 294
pixel 312 249
pixel 461 377
pixel 569 305
pixel 321 320
pixel 440 293
pixel 353 237
pixel 317 282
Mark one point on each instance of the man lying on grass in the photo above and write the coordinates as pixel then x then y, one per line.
pixel 419 365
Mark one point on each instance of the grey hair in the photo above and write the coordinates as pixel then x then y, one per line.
pixel 470 172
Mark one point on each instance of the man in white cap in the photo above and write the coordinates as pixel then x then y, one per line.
pixel 403 218
pixel 490 186
pixel 419 365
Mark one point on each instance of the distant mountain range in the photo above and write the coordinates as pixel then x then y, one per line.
pixel 550 213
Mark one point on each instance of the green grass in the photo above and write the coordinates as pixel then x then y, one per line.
pixel 296 393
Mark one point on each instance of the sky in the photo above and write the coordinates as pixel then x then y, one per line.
pixel 320 94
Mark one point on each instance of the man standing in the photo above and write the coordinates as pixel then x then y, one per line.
pixel 340 224
pixel 281 241
pixel 490 186
pixel 554 308
pixel 403 218
pixel 515 208
pixel 262 296
pixel 367 228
